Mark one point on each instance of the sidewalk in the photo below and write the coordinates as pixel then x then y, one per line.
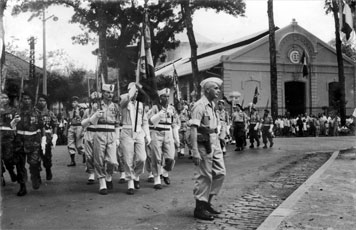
pixel 327 200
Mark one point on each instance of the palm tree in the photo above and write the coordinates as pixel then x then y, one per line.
pixel 273 60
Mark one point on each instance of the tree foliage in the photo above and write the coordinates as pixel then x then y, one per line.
pixel 116 24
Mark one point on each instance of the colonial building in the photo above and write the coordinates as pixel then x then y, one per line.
pixel 244 64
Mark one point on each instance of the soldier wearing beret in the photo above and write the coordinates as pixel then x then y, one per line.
pixel 206 150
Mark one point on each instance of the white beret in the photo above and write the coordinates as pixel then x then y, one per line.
pixel 218 81
pixel 108 87
pixel 163 91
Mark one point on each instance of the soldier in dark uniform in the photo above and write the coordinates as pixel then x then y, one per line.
pixel 239 118
pixel 7 134
pixel 267 128
pixel 253 128
pixel 206 150
pixel 50 123
pixel 27 145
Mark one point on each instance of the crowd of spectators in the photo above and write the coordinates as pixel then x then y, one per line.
pixel 306 125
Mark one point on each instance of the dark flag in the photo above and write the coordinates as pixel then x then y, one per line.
pixel 177 96
pixel 303 61
pixel 145 73
pixel 255 96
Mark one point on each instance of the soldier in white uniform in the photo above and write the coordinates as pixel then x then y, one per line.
pixel 106 138
pixel 164 126
pixel 134 131
pixel 75 132
pixel 207 154
pixel 90 130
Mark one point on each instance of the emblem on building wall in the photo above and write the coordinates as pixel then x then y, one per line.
pixel 294 56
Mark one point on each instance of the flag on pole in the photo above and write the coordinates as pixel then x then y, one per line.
pixel 267 104
pixel 349 37
pixel 255 96
pixel 145 73
pixel 177 96
pixel 303 60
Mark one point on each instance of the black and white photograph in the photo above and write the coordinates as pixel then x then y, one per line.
pixel 178 114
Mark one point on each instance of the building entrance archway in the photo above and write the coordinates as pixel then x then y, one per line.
pixel 295 97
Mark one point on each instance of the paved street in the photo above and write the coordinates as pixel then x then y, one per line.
pixel 67 202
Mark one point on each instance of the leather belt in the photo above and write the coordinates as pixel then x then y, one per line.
pixel 159 129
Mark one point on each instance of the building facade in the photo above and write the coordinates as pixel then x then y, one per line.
pixel 244 64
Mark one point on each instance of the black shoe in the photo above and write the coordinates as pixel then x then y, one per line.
pixel 190 157
pixel 258 144
pixel 180 155
pixel 22 190
pixel 130 191
pixel 49 174
pixel 251 146
pixel 136 184
pixel 166 180
pixel 150 180
pixel 36 181
pixel 103 191
pixel 90 181
pixel 122 181
pixel 202 214
pixel 265 146
pixel 109 185
pixel 13 176
pixel 71 164
pixel 271 145
pixel 213 211
pixel 157 186
pixel 224 153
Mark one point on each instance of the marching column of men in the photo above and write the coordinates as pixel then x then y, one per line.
pixel 129 137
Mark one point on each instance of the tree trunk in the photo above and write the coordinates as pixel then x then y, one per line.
pixel 335 9
pixel 273 61
pixel 2 35
pixel 186 12
pixel 103 68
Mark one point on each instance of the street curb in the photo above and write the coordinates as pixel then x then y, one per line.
pixel 287 207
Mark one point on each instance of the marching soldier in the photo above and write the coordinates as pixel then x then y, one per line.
pixel 239 118
pixel 224 121
pixel 253 128
pixel 7 135
pixel 106 138
pixel 267 128
pixel 75 132
pixel 164 127
pixel 134 133
pixel 90 130
pixel 207 154
pixel 183 131
pixel 50 123
pixel 27 145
